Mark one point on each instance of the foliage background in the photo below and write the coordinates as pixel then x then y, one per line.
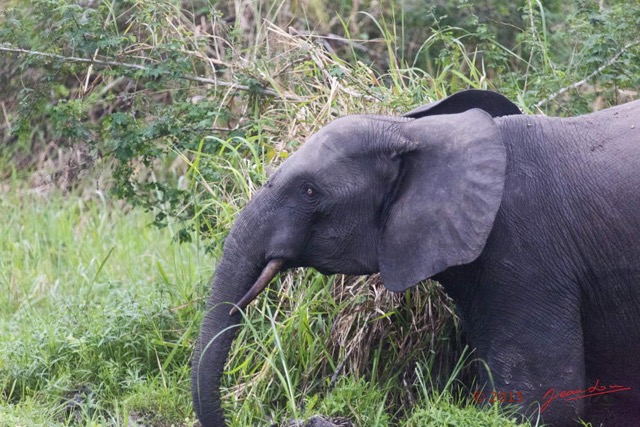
pixel 180 109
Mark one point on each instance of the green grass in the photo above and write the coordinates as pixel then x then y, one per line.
pixel 96 312
pixel 99 312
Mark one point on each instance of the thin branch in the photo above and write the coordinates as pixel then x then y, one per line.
pixel 333 37
pixel 99 62
pixel 600 69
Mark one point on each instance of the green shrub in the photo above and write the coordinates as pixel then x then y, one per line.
pixel 449 414
pixel 144 88
pixel 357 400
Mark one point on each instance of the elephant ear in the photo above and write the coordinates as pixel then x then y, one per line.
pixel 495 104
pixel 450 185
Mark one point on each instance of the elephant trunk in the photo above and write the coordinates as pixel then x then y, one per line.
pixel 239 269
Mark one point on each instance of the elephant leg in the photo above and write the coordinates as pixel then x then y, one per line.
pixel 533 348
pixel 619 409
pixel 612 350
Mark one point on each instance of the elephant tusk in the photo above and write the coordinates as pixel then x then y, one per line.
pixel 272 268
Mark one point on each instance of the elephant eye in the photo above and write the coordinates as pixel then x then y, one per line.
pixel 309 190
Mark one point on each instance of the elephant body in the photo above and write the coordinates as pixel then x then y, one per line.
pixel 530 223
pixel 553 300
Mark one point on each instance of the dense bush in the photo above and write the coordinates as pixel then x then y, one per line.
pixel 164 92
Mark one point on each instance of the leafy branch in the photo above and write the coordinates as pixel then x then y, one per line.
pixel 106 63
pixel 597 71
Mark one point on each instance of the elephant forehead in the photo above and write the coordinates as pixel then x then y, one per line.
pixel 349 136
pixel 343 142
pixel 312 157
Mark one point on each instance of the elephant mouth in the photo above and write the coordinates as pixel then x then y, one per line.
pixel 268 273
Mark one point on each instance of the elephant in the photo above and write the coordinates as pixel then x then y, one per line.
pixel 530 223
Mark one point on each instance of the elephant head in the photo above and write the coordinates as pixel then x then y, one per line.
pixel 352 200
